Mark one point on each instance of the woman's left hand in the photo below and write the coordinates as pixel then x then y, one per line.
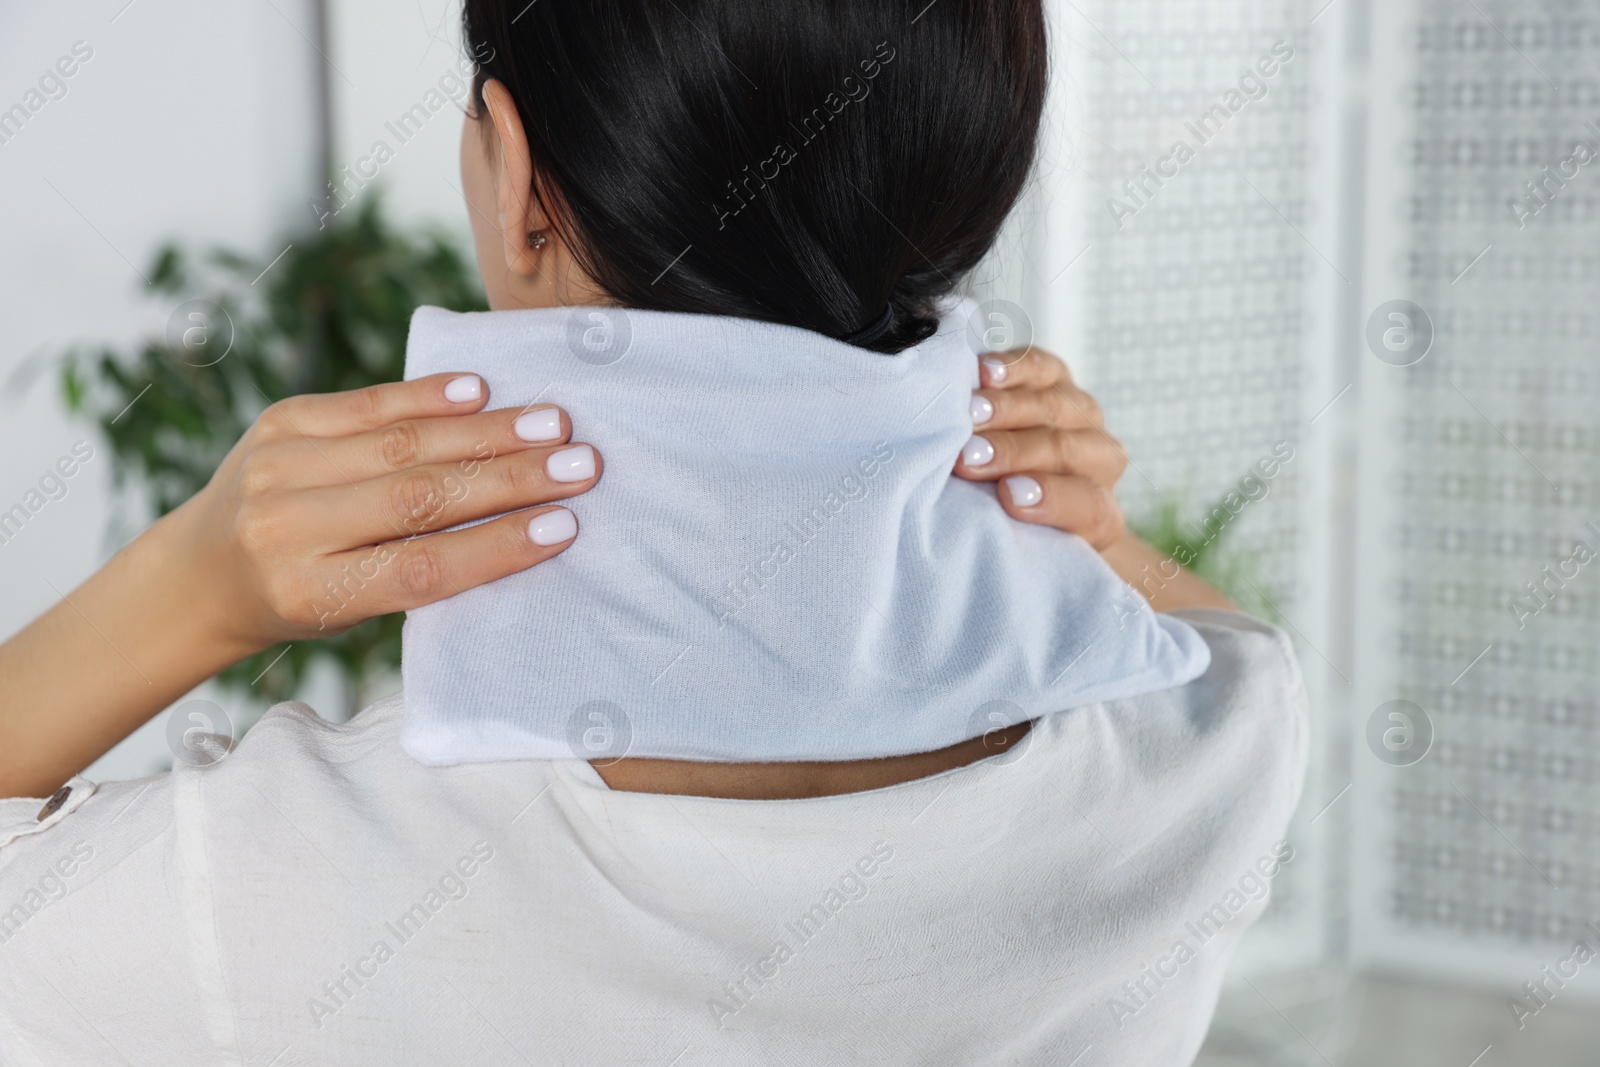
pixel 1044 440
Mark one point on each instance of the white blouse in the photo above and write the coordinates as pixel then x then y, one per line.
pixel 317 897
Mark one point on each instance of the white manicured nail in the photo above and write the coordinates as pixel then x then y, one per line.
pixel 541 425
pixel 980 409
pixel 575 464
pixel 978 451
pixel 997 369
pixel 1025 492
pixel 552 527
pixel 464 389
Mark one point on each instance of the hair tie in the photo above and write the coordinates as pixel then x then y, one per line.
pixel 876 332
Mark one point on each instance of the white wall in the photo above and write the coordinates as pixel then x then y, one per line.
pixel 389 59
pixel 191 120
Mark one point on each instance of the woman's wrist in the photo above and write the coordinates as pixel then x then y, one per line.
pixel 1159 578
pixel 207 598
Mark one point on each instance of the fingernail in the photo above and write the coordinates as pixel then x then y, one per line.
pixel 541 425
pixel 978 451
pixel 575 464
pixel 996 368
pixel 552 527
pixel 1025 492
pixel 980 409
pixel 464 389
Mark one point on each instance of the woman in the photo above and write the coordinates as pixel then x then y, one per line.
pixel 924 787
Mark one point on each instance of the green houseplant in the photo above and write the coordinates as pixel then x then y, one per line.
pixel 1206 549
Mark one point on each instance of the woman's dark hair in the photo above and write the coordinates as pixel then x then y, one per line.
pixel 836 165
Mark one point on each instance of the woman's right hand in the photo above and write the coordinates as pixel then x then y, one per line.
pixel 316 519
pixel 324 514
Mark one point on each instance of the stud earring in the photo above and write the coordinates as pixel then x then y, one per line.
pixel 536 240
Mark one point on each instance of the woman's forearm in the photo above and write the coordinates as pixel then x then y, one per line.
pixel 1159 579
pixel 140 633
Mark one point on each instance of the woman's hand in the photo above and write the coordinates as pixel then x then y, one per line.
pixel 1045 441
pixel 314 522
pixel 321 516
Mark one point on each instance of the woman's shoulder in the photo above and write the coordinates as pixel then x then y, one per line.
pixel 1254 684
pixel 1231 745
pixel 291 757
pixel 1253 678
pixel 1237 734
pixel 1243 647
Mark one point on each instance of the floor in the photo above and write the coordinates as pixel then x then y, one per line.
pixel 1327 1019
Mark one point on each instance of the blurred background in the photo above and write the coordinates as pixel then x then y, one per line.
pixel 1357 238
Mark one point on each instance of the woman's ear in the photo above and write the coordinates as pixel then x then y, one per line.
pixel 520 217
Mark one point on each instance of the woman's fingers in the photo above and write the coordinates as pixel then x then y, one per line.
pixel 326 509
pixel 1068 502
pixel 406 574
pixel 399 446
pixel 1065 407
pixel 1023 368
pixel 993 454
pixel 432 497
pixel 360 410
pixel 1043 439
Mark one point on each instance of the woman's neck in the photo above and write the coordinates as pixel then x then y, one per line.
pixel 798 780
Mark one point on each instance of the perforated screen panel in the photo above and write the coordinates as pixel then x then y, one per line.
pixel 1483 477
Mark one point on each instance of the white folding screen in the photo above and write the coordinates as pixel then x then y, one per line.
pixel 1481 476
pixel 1175 241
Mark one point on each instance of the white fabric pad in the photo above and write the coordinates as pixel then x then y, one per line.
pixel 775 565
